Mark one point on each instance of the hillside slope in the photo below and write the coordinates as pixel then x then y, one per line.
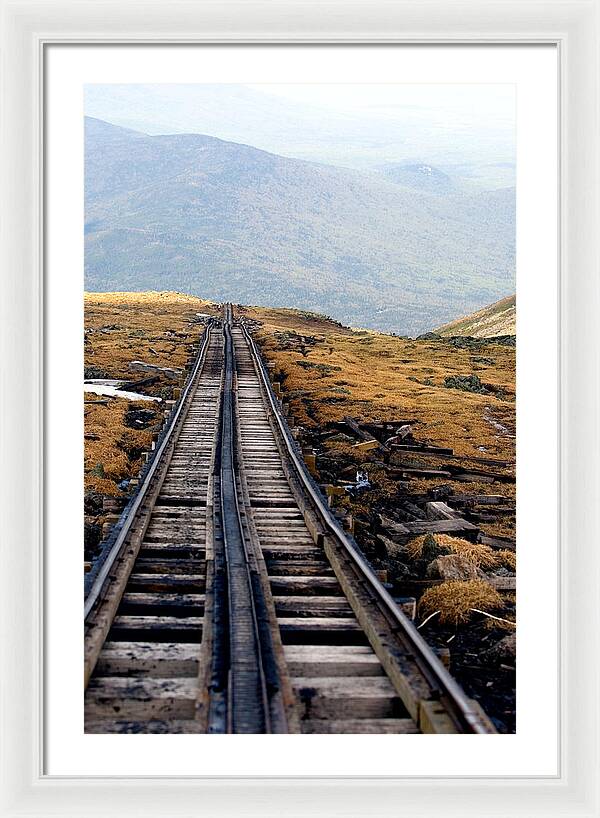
pixel 497 319
pixel 193 213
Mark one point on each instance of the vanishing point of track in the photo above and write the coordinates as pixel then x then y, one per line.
pixel 228 599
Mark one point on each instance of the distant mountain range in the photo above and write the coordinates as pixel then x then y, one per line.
pixel 497 319
pixel 223 220
pixel 467 132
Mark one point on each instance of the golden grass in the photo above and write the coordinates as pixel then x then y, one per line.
pixel 153 327
pixel 330 371
pixel 455 600
pixel 482 556
pixel 156 327
pixel 508 559
pixel 107 460
pixel 387 376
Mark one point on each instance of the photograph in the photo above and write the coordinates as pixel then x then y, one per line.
pixel 299 399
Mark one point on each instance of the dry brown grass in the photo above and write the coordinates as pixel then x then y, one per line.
pixel 119 328
pixel 508 559
pixel 455 600
pixel 108 460
pixel 393 377
pixel 482 556
pixel 373 376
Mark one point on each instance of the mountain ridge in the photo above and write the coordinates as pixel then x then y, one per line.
pixel 497 319
pixel 199 214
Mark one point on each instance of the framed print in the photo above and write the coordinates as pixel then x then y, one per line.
pixel 321 504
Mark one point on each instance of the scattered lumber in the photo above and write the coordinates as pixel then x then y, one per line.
pixel 488 461
pixel 411 511
pixel 388 425
pixel 368 445
pixel 422 448
pixel 134 386
pixel 479 499
pixel 367 437
pixel 419 585
pixel 475 475
pixel 456 527
pixel 448 454
pixel 471 477
pixel 503 543
pixel 392 526
pixel 413 472
pixel 440 511
pixel 490 513
pixel 168 372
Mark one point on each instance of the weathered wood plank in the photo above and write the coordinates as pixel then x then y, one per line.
pixel 498 542
pixel 304 584
pixel 161 660
pixel 185 583
pixel 318 623
pixel 359 726
pixel 312 606
pixel 298 568
pixel 328 661
pixel 153 726
pixel 169 566
pixel 440 511
pixel 335 697
pixel 457 527
pixel 140 698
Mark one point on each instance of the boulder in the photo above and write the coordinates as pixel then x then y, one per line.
pixel 453 566
pixel 504 651
pixel 393 549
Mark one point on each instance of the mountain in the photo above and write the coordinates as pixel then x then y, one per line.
pixel 197 214
pixel 421 177
pixel 497 319
pixel 360 126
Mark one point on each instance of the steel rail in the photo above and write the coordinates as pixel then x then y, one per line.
pixel 244 679
pixel 98 585
pixel 248 710
pixel 430 665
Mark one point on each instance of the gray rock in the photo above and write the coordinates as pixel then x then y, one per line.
pixel 453 566
pixel 504 651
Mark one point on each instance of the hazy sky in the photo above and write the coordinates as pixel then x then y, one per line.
pixel 361 126
pixel 477 105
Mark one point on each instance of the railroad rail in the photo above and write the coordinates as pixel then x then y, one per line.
pixel 230 599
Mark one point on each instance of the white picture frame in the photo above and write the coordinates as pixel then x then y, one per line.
pixel 27 27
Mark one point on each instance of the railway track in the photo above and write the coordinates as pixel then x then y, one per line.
pixel 229 600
